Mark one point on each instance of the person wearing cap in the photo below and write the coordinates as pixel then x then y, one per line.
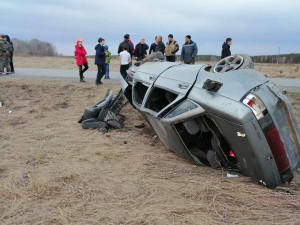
pixel 107 61
pixel 141 50
pixel 81 61
pixel 100 60
pixel 171 48
pixel 189 51
pixel 128 44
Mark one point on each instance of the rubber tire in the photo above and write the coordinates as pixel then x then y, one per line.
pixel 247 64
pixel 211 157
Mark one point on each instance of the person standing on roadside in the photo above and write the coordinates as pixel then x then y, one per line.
pixel 12 69
pixel 100 60
pixel 107 61
pixel 131 43
pixel 189 51
pixel 153 46
pixel 5 55
pixel 126 43
pixel 226 48
pixel 171 48
pixel 141 50
pixel 160 45
pixel 125 60
pixel 5 48
pixel 80 55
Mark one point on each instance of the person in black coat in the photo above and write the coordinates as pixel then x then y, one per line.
pixel 226 48
pixel 100 60
pixel 153 46
pixel 141 50
pixel 126 44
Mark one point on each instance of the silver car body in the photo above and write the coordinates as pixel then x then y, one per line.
pixel 191 117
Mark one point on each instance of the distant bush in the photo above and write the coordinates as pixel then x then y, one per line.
pixel 33 47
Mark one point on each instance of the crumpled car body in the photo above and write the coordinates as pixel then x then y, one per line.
pixel 235 120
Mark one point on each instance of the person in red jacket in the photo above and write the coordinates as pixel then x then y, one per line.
pixel 81 60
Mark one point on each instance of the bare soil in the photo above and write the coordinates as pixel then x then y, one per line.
pixel 267 69
pixel 54 172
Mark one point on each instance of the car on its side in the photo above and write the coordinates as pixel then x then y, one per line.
pixel 227 116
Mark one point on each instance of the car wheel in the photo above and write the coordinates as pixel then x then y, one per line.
pixel 211 157
pixel 233 62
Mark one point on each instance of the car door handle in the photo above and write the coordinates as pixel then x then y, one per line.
pixel 183 85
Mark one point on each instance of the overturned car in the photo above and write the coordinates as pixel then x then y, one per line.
pixel 227 116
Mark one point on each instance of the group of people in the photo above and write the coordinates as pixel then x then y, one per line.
pixel 127 51
pixel 102 60
pixel 6 55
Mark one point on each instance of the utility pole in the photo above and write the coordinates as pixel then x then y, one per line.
pixel 278 55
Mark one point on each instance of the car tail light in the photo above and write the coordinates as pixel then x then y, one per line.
pixel 271 134
pixel 277 149
pixel 256 105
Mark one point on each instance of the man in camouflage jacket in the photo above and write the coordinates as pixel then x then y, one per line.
pixel 5 49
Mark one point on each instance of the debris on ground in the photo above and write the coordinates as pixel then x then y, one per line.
pixel 105 114
pixel 229 175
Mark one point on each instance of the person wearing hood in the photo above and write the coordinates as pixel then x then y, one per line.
pixel 12 69
pixel 107 61
pixel 226 48
pixel 189 51
pixel 100 58
pixel 81 61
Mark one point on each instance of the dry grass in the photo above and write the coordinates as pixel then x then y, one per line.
pixel 270 70
pixel 54 172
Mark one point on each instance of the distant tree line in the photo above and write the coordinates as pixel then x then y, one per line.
pixel 33 47
pixel 288 58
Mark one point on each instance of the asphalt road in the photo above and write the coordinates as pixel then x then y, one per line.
pixel 72 75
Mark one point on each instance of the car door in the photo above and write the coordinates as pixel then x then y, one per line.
pixel 169 88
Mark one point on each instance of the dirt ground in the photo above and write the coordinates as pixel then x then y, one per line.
pixel 267 69
pixel 54 172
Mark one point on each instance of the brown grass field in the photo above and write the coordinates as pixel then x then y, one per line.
pixel 54 172
pixel 269 70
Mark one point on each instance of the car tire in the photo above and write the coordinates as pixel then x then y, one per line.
pixel 211 157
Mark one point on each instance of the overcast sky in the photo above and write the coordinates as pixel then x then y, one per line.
pixel 256 26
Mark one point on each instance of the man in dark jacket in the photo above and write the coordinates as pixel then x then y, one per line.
pixel 126 44
pixel 153 46
pixel 226 48
pixel 100 60
pixel 160 47
pixel 12 70
pixel 189 51
pixel 141 50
